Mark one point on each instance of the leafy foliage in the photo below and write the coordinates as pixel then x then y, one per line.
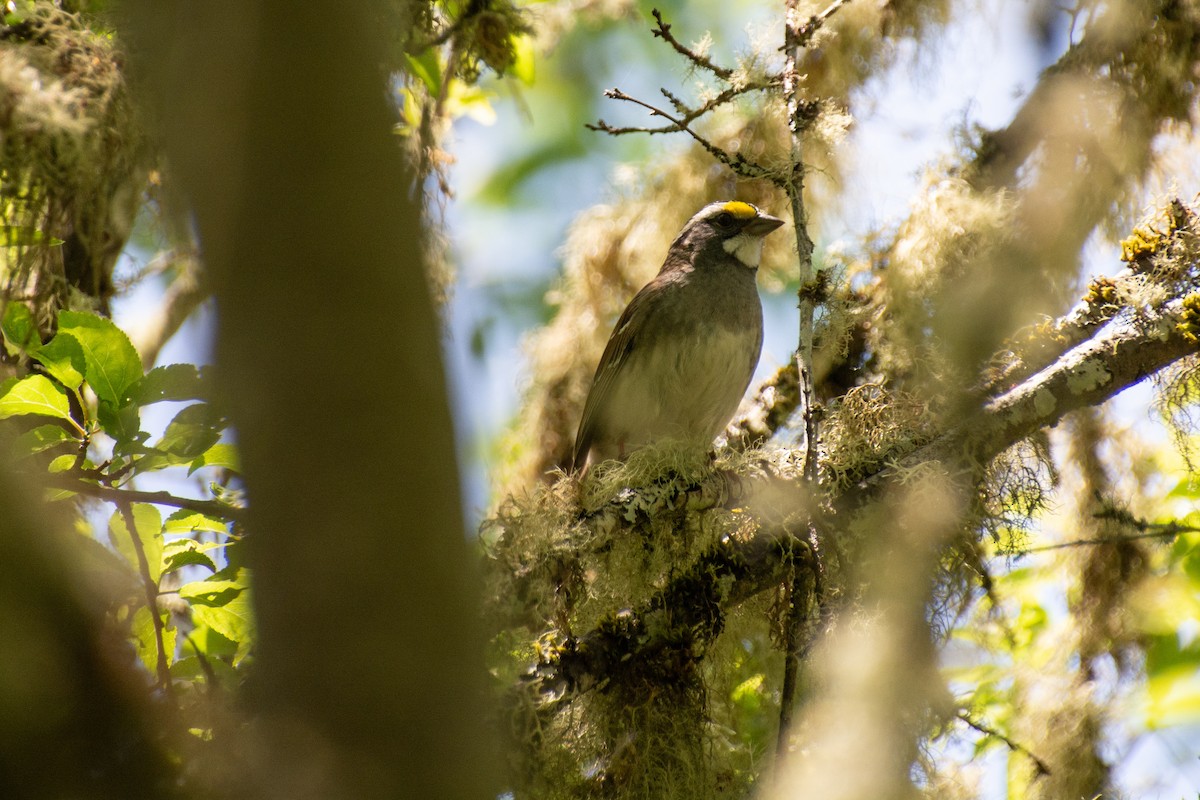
pixel 187 607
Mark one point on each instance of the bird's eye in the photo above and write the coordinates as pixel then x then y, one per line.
pixel 723 220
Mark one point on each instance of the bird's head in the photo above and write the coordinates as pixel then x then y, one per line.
pixel 731 227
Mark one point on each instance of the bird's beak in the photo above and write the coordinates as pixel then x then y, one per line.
pixel 762 225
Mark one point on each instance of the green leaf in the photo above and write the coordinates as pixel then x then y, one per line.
pixel 222 455
pixel 234 621
pixel 427 68
pixel 186 521
pixel 112 364
pixel 41 439
pixel 522 67
pixel 211 643
pixel 63 359
pixel 191 668
pixel 171 382
pixel 142 629
pixel 212 592
pixel 193 431
pixel 147 523
pixel 186 557
pixel 1172 698
pixel 122 424
pixel 33 394
pixel 20 331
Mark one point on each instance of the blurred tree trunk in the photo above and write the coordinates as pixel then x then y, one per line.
pixel 369 670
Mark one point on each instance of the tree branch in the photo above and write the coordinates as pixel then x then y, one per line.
pixel 663 31
pixel 115 495
pixel 728 574
pixel 184 296
pixel 988 730
pixel 150 586
pixel 736 162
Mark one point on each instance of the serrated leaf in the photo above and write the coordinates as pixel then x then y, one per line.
pixel 170 382
pixel 210 642
pixel 222 455
pixel 234 620
pixel 148 528
pixel 214 593
pixel 63 359
pixel 186 521
pixel 192 432
pixel 41 439
pixel 33 394
pixel 111 363
pixel 123 424
pixel 20 331
pixel 187 558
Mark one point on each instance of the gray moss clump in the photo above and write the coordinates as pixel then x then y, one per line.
pixel 688 716
pixel 73 161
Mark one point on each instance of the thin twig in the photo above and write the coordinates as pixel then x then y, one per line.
pixel 688 115
pixel 1167 531
pixel 736 162
pixel 663 31
pixel 800 115
pixel 150 586
pixel 115 495
pixel 988 730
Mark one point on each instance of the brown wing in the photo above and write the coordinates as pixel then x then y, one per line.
pixel 616 354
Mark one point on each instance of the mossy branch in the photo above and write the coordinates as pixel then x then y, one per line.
pixel 686 615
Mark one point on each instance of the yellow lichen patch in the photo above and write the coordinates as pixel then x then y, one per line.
pixel 1146 239
pixel 1190 325
pixel 741 210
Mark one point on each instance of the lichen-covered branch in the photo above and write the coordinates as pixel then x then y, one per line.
pixel 685 616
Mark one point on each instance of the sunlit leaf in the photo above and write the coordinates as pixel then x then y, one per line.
pixel 146 641
pixel 212 592
pixel 175 558
pixel 148 529
pixel 187 521
pixel 33 394
pixel 427 68
pixel 111 364
pixel 234 621
pixel 63 359
pixel 222 455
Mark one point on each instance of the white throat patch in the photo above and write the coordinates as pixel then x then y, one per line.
pixel 745 248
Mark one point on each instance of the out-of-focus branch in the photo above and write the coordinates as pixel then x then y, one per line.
pixel 1118 357
pixel 186 293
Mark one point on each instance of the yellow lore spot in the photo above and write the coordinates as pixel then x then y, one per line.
pixel 741 210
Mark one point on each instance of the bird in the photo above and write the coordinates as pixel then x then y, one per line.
pixel 682 353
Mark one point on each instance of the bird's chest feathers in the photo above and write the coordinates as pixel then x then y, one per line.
pixel 684 384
